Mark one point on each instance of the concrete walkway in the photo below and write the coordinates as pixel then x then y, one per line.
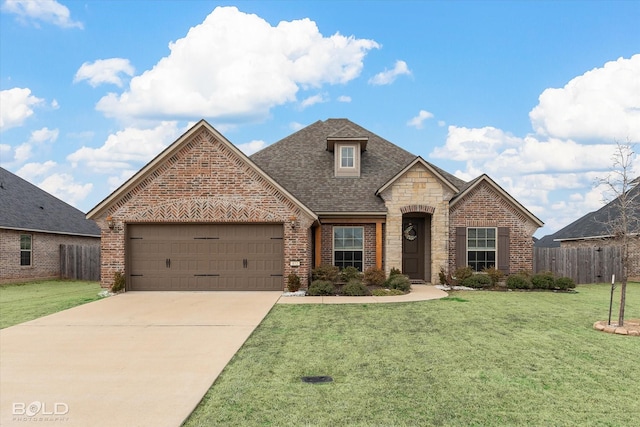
pixel 135 359
pixel 418 293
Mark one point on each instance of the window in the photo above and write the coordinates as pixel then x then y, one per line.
pixel 481 248
pixel 347 157
pixel 25 249
pixel 348 247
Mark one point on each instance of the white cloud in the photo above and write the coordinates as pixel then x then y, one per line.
pixel 389 76
pixel 49 11
pixel 104 71
pixel 44 135
pixel 442 123
pixel 22 153
pixel 220 69
pixel 295 126
pixel 16 106
pixel 64 187
pixel 344 98
pixel 603 103
pixel 251 147
pixel 126 148
pixel 474 143
pixel 30 171
pixel 312 100
pixel 418 121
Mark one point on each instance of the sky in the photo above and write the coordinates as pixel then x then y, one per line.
pixel 536 94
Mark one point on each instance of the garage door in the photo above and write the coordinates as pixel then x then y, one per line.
pixel 211 257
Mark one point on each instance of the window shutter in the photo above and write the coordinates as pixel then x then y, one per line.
pixel 503 249
pixel 461 247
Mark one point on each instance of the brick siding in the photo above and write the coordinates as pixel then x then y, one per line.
pixel 204 181
pixel 369 259
pixel 45 255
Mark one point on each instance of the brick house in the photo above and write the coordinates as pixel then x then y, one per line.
pixel 203 216
pixel 33 225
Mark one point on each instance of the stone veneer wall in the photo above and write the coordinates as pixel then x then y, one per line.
pixel 418 187
pixel 204 181
pixel 485 207
pixel 45 255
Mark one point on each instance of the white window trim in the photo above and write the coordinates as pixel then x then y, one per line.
pixel 333 243
pixel 30 250
pixel 347 171
pixel 495 249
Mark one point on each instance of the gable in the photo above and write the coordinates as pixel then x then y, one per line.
pixel 201 177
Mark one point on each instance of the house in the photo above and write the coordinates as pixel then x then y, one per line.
pixel 203 216
pixel 33 225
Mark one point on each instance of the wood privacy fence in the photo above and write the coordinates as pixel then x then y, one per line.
pixel 583 265
pixel 80 262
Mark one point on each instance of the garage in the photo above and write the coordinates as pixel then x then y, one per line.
pixel 205 257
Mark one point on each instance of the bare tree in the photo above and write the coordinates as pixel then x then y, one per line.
pixel 623 221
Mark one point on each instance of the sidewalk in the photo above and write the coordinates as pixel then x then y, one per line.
pixel 418 293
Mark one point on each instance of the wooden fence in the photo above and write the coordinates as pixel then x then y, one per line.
pixel 583 265
pixel 80 262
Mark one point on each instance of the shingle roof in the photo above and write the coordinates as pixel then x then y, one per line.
pixel 23 206
pixel 302 164
pixel 597 223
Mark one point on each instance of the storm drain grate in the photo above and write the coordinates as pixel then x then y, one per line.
pixel 317 379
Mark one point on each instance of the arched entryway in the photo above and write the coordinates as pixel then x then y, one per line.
pixel 416 242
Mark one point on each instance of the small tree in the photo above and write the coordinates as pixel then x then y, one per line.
pixel 623 221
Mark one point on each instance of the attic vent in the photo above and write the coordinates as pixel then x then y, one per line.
pixel 2 185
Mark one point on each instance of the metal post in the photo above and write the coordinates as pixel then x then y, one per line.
pixel 613 286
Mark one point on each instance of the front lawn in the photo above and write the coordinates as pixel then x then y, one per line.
pixel 27 301
pixel 473 359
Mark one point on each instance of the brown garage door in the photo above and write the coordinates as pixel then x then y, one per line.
pixel 211 257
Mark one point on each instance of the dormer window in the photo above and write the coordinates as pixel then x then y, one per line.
pixel 347 156
pixel 347 160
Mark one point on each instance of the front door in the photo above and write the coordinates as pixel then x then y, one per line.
pixel 413 247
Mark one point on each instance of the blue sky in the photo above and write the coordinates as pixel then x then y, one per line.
pixel 535 94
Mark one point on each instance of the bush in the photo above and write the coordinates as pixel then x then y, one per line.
pixel 119 281
pixel 477 281
pixel 446 278
pixel 325 272
pixel 543 280
pixel 293 283
pixel 355 288
pixel 349 273
pixel 374 276
pixel 398 281
pixel 495 275
pixel 394 272
pixel 463 273
pixel 321 287
pixel 386 292
pixel 518 281
pixel 564 283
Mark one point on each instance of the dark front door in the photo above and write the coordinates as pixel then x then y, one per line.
pixel 413 247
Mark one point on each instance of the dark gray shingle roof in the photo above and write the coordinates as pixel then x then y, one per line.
pixel 24 206
pixel 302 165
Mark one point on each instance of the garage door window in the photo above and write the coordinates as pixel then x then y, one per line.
pixel 348 247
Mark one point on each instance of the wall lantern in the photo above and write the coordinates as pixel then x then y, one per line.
pixel 293 221
pixel 111 222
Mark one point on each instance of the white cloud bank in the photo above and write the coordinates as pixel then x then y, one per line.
pixel 387 77
pixel 104 71
pixel 418 121
pixel 16 106
pixel 49 11
pixel 237 66
pixel 576 128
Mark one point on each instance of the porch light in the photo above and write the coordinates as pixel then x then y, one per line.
pixel 111 223
pixel 293 221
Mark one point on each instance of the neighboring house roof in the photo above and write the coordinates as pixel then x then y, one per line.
pixel 23 206
pixel 304 166
pixel 596 224
pixel 170 151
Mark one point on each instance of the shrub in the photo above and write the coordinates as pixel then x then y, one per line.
pixel 463 273
pixel 119 281
pixel 394 272
pixel 495 275
pixel 374 276
pixel 325 272
pixel 293 283
pixel 355 288
pixel 386 292
pixel 398 281
pixel 321 287
pixel 565 283
pixel 518 281
pixel 349 273
pixel 543 280
pixel 477 281
pixel 445 278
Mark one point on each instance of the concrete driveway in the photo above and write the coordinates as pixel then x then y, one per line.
pixel 135 359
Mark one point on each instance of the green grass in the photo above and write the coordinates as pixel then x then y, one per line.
pixel 27 301
pixel 473 359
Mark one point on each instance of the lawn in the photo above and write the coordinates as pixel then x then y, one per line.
pixel 472 359
pixel 27 301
